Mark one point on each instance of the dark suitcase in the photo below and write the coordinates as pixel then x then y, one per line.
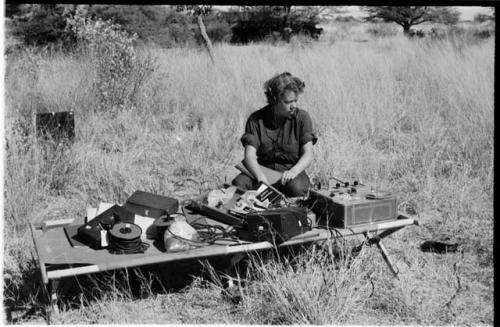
pixel 151 205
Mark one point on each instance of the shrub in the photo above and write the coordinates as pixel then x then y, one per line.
pixel 345 19
pixel 437 33
pixel 484 31
pixel 481 18
pixel 45 24
pixel 218 31
pixel 415 33
pixel 382 30
pixel 162 26
pixel 119 71
pixel 265 24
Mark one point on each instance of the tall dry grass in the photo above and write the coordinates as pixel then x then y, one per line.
pixel 413 116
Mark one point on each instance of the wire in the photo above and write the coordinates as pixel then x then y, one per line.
pixel 119 245
pixel 213 233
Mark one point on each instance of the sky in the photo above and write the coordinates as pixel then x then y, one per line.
pixel 468 12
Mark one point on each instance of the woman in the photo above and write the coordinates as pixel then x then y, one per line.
pixel 279 136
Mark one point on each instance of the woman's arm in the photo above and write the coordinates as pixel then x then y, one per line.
pixel 252 164
pixel 307 156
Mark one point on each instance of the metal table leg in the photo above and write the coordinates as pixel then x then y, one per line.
pixel 378 241
pixel 52 288
pixel 231 287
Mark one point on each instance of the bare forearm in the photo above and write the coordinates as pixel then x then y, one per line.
pixel 253 166
pixel 307 156
pixel 303 162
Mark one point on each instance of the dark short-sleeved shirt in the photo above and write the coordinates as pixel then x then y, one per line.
pixel 278 147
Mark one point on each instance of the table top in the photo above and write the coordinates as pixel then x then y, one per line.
pixel 58 258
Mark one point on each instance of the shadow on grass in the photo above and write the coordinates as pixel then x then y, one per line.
pixel 28 300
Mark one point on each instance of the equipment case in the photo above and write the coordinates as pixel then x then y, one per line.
pixel 151 205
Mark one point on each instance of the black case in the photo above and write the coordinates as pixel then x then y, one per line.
pixel 277 225
pixel 151 205
pixel 55 125
pixel 90 233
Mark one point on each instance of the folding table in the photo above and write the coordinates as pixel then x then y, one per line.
pixel 57 258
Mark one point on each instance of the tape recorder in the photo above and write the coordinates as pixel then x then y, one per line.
pixel 351 204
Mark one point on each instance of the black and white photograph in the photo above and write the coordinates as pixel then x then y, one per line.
pixel 247 164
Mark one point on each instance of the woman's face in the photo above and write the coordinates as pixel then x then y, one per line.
pixel 287 103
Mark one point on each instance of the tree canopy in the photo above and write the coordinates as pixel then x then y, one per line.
pixel 412 15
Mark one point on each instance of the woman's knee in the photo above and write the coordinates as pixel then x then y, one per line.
pixel 243 181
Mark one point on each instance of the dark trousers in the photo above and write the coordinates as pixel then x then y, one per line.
pixel 296 187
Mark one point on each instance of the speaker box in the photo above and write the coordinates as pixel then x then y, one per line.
pixel 277 225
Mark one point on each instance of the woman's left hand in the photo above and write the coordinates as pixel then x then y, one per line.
pixel 287 176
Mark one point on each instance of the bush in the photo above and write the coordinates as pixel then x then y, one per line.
pixel 481 18
pixel 218 31
pixel 119 72
pixel 484 31
pixel 258 25
pixel 345 19
pixel 162 26
pixel 415 33
pixel 382 30
pixel 44 25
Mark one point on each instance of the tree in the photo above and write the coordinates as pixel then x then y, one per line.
pixel 412 15
pixel 256 23
pixel 199 11
pixel 484 17
pixel 446 15
pixel 42 24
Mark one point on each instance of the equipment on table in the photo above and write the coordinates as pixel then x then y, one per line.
pixel 151 205
pixel 180 236
pixel 159 226
pixel 220 214
pixel 93 233
pixel 125 238
pixel 346 205
pixel 276 225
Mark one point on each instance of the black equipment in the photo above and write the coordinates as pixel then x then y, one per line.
pixel 159 226
pixel 151 205
pixel 276 225
pixel 222 215
pixel 55 125
pixel 344 206
pixel 125 238
pixel 93 232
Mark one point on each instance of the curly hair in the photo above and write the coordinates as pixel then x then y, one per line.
pixel 276 86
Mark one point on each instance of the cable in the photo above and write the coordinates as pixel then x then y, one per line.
pixel 125 239
pixel 213 233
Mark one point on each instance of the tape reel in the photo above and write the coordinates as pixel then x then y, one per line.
pixel 380 195
pixel 125 231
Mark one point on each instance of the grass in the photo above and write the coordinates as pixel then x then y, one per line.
pixel 415 116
